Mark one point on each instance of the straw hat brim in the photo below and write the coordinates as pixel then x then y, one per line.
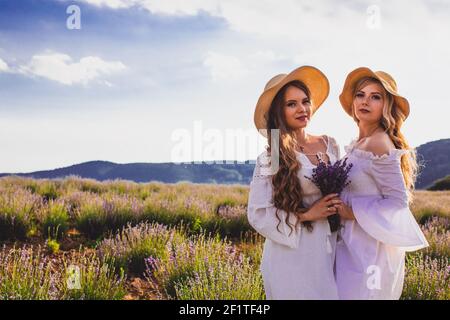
pixel 346 97
pixel 312 77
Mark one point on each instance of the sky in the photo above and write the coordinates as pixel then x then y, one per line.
pixel 178 80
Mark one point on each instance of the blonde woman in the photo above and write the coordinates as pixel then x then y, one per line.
pixel 379 227
pixel 284 206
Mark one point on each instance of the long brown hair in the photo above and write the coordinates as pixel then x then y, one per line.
pixel 392 121
pixel 287 193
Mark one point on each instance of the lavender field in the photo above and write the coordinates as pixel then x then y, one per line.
pixel 82 239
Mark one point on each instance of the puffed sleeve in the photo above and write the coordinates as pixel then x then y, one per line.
pixel 387 217
pixel 261 211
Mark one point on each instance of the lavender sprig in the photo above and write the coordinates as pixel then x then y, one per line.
pixel 331 178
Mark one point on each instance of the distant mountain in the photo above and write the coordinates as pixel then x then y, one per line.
pixel 433 156
pixel 435 162
pixel 441 184
pixel 237 173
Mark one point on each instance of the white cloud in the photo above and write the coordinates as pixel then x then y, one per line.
pixel 290 18
pixel 59 67
pixel 3 66
pixel 181 7
pixel 267 56
pixel 236 66
pixel 224 67
pixel 114 4
pixel 167 7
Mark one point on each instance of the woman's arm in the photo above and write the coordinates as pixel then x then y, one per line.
pixel 261 212
pixel 386 216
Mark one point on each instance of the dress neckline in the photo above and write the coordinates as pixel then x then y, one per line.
pixel 309 161
pixel 393 153
pixel 327 152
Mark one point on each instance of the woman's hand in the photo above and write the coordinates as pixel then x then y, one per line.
pixel 321 208
pixel 345 211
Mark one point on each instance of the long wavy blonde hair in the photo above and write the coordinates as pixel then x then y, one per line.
pixel 392 121
pixel 287 193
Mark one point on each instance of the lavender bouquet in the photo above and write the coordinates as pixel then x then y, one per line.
pixel 331 178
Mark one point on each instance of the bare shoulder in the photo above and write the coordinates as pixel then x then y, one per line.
pixel 379 144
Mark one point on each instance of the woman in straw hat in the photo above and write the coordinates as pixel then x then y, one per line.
pixel 379 227
pixel 284 206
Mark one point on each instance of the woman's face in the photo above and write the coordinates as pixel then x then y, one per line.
pixel 368 103
pixel 297 108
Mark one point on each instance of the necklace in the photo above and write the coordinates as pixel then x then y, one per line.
pixel 319 155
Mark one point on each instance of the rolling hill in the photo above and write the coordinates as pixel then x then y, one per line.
pixel 434 159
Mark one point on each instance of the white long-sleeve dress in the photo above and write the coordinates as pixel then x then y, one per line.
pixel 370 258
pixel 300 265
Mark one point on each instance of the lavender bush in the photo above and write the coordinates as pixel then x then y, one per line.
pixel 437 232
pixel 230 279
pixel 426 278
pixel 131 246
pixel 48 189
pixel 251 245
pixel 54 219
pixel 17 212
pixel 109 212
pixel 185 260
pixel 187 257
pixel 25 274
pixel 97 280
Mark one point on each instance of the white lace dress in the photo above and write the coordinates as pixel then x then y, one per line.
pixel 300 265
pixel 370 258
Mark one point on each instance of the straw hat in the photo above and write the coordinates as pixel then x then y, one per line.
pixel 346 97
pixel 313 78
